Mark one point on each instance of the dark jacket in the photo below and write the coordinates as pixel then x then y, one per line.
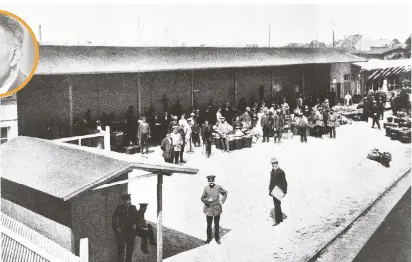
pixel 206 133
pixel 266 121
pixel 375 111
pixel 124 219
pixel 278 122
pixel 167 148
pixel 278 178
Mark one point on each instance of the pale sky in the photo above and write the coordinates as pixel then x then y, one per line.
pixel 212 24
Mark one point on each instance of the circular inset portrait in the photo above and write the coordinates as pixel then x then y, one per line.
pixel 19 53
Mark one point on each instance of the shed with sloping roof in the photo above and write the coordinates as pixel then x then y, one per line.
pixel 49 187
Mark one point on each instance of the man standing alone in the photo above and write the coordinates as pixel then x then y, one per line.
pixel 213 207
pixel 124 225
pixel 277 179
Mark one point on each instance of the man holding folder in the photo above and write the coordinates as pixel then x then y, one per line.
pixel 277 189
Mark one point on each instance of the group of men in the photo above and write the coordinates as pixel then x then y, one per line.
pixel 127 223
pixel 185 133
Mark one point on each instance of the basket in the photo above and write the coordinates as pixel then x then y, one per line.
pixel 247 141
pixel 231 144
pixel 129 150
pixel 238 143
pixel 216 140
pixel 295 130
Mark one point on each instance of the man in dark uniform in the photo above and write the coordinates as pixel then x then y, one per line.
pixel 206 133
pixel 277 178
pixel 156 128
pixel 144 230
pixel 375 113
pixel 124 225
pixel 228 113
pixel 213 207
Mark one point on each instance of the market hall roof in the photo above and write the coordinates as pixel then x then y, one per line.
pixel 55 60
pixel 62 171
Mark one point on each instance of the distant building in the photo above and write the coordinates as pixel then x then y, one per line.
pixel 8 118
pixel 383 53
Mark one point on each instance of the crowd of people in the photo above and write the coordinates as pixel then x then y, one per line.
pixel 180 131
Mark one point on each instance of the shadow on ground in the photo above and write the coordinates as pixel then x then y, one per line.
pixel 174 242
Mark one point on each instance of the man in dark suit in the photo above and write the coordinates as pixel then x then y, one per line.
pixel 277 178
pixel 144 230
pixel 375 113
pixel 11 42
pixel 124 224
pixel 206 133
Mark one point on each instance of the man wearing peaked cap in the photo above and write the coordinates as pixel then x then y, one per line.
pixel 144 230
pixel 277 179
pixel 124 225
pixel 213 207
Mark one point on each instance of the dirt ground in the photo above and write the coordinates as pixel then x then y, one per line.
pixel 330 181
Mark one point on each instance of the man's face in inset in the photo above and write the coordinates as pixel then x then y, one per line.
pixel 10 51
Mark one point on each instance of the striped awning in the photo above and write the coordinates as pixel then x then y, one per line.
pixel 385 68
pixel 21 243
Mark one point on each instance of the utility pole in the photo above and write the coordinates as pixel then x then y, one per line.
pixel 269 35
pixel 40 35
pixel 333 35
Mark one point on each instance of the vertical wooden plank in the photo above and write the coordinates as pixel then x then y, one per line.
pixel 303 82
pixel 234 88
pixel 107 139
pixel 271 84
pixel 191 89
pixel 84 250
pixel 70 109
pixel 159 218
pixel 139 96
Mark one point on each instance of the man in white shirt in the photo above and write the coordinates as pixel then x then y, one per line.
pixel 347 99
pixel 11 46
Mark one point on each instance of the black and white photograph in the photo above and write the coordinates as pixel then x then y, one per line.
pixel 206 132
pixel 18 54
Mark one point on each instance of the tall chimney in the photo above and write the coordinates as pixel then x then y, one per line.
pixel 40 36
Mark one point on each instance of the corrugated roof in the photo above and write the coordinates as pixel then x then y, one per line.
pixel 13 251
pixel 104 59
pixel 21 243
pixel 62 171
pixel 379 50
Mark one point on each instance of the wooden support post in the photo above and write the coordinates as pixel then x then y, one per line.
pixel 107 139
pixel 271 84
pixel 192 90
pixel 139 96
pixel 234 89
pixel 70 109
pixel 80 142
pixel 159 218
pixel 303 83
pixel 84 250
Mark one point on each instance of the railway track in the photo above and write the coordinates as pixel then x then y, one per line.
pixel 319 253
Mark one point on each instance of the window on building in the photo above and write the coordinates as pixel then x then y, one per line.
pixel 3 135
pixel 346 77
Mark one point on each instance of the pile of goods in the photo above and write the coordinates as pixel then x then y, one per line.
pixel 349 111
pixel 398 127
pixel 384 158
